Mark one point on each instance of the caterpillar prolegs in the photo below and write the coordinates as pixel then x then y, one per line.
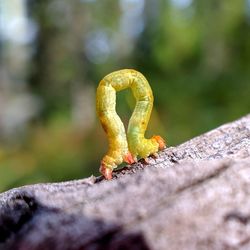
pixel 124 148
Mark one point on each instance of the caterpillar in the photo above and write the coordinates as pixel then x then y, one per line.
pixel 122 147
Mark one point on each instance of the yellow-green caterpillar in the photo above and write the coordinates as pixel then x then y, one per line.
pixel 122 147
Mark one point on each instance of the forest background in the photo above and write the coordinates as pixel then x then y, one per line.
pixel 53 53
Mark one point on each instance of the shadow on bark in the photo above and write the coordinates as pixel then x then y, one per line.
pixel 27 225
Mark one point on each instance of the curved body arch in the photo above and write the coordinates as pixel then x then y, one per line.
pixel 122 147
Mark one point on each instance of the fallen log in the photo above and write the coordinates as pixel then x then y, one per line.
pixel 193 196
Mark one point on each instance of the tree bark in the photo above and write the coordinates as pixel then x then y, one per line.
pixel 193 196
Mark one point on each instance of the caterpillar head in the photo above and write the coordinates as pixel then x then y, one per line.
pixel 160 141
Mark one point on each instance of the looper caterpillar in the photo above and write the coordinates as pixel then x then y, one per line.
pixel 122 147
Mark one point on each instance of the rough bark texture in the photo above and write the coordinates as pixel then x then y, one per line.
pixel 194 196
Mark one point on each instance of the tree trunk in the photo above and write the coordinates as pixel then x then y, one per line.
pixel 193 196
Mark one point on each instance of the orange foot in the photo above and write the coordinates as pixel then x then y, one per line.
pixel 106 172
pixel 160 141
pixel 129 158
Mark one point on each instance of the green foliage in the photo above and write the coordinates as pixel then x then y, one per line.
pixel 196 58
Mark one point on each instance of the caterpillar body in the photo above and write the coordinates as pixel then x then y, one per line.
pixel 122 147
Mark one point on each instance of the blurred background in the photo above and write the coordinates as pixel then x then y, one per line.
pixel 53 53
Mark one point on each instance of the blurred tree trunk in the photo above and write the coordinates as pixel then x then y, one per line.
pixel 58 61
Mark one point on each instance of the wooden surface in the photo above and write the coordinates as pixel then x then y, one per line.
pixel 194 196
